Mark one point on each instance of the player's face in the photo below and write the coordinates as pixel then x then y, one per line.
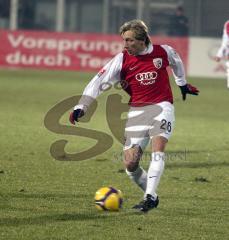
pixel 131 44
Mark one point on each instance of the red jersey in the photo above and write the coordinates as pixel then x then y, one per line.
pixel 145 78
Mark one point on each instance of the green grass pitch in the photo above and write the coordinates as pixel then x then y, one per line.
pixel 42 198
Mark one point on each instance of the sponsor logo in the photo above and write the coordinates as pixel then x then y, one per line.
pixel 146 78
pixel 157 62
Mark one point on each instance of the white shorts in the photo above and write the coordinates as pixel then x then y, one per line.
pixel 146 122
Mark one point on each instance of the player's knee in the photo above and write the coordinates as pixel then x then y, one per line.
pixel 132 157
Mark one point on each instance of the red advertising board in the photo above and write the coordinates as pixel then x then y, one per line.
pixel 68 51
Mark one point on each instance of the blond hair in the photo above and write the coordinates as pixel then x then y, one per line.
pixel 139 28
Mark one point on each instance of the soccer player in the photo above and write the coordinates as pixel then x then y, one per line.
pixel 223 52
pixel 142 67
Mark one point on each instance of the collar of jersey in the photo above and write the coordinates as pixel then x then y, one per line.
pixel 147 50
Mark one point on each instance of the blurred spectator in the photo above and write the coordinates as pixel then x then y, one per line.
pixel 179 23
pixel 43 22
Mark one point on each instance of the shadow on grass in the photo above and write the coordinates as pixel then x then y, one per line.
pixel 55 218
pixel 44 196
pixel 197 164
pixel 42 220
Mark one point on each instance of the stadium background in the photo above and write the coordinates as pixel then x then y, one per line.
pixel 42 198
pixel 75 21
pixel 206 16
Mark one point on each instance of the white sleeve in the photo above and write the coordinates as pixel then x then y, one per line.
pixel 106 77
pixel 176 65
pixel 225 42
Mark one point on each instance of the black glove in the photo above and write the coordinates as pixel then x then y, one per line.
pixel 188 89
pixel 78 113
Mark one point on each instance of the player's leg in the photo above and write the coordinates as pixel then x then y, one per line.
pixel 156 167
pixel 135 172
pixel 155 171
pixel 135 142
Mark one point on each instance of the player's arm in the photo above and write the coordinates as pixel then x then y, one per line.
pixel 178 71
pixel 107 76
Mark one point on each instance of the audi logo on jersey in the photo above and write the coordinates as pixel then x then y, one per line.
pixel 146 78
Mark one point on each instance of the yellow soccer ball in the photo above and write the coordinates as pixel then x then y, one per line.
pixel 108 199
